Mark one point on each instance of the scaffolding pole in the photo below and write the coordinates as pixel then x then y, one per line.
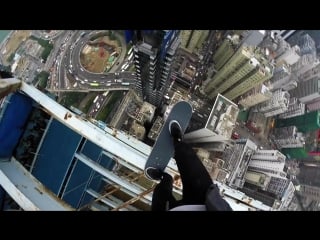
pixel 101 197
pixel 132 200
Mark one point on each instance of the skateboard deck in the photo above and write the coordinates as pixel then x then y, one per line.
pixel 163 148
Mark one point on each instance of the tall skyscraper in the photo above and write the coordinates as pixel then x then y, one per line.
pixel 224 52
pixel 193 39
pixel 153 54
pixel 241 57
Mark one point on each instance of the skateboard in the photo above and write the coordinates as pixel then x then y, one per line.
pixel 163 148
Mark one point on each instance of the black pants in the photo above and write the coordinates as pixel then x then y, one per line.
pixel 194 176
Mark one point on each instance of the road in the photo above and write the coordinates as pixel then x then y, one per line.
pixel 70 62
pixel 245 133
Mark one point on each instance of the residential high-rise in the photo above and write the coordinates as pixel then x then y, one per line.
pixel 281 76
pixel 307 91
pixel 224 52
pixel 153 54
pixel 240 57
pixel 245 69
pixel 258 76
pixel 295 108
pixel 286 53
pixel 288 137
pixel 311 73
pixel 193 39
pixel 277 104
pixel 271 162
pixel 255 96
pixel 237 159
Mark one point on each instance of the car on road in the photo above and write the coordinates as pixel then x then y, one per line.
pixel 235 135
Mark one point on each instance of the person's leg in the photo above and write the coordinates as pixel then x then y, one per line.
pixel 194 176
pixel 162 197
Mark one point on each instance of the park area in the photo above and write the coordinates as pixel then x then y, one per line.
pixel 99 55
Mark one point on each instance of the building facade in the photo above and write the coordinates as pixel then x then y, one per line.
pixel 193 39
pixel 217 128
pixel 276 105
pixel 224 53
pixel 255 96
pixel 271 162
pixel 153 54
pixel 288 137
pixel 295 108
pixel 240 57
pixel 305 123
pixel 237 160
pixel 307 91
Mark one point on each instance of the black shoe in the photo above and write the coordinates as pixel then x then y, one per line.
pixel 154 173
pixel 175 130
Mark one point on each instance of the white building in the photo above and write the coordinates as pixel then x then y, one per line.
pixel 276 105
pixel 220 123
pixel 271 162
pixel 305 63
pixel 237 160
pixel 290 56
pixel 283 79
pixel 255 96
pixel 281 76
pixel 295 108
